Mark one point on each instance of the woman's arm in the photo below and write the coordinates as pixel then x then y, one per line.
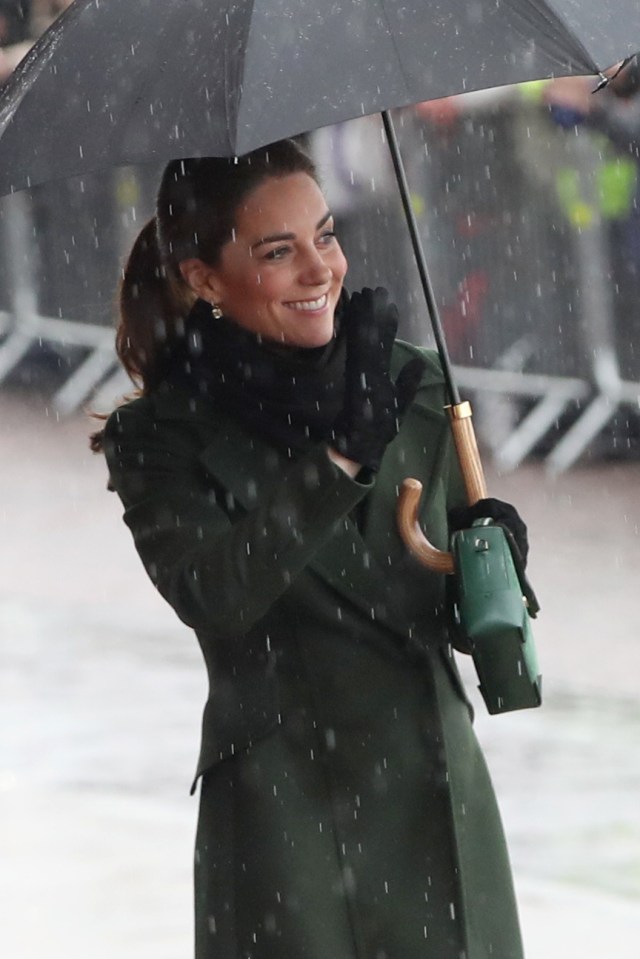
pixel 218 566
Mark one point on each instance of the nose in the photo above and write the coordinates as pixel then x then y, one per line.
pixel 315 270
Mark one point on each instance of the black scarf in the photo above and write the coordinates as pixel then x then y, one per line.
pixel 289 395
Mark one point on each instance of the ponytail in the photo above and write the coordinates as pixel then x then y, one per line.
pixel 153 306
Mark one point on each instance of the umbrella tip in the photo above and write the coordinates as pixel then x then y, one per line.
pixel 624 81
pixel 604 82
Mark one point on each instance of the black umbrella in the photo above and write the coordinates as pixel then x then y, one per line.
pixel 132 81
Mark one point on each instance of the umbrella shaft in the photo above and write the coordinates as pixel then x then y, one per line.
pixel 425 279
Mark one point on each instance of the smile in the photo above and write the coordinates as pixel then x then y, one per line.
pixel 309 306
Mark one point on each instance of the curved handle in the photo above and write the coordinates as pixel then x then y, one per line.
pixel 409 499
pixel 411 532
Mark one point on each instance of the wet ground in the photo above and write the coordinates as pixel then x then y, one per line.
pixel 101 690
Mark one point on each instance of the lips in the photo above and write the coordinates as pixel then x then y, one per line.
pixel 309 306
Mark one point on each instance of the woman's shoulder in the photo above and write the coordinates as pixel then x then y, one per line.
pixel 164 404
pixel 166 418
pixel 139 438
pixel 432 375
pixel 127 415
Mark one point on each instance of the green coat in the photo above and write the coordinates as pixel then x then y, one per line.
pixel 345 811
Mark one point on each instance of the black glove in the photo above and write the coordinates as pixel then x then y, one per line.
pixel 504 514
pixel 373 404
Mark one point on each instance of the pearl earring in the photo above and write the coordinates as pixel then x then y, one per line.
pixel 216 312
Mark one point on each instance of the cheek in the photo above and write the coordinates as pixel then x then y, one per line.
pixel 266 286
pixel 258 283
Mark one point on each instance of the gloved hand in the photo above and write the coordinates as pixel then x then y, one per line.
pixel 504 514
pixel 373 404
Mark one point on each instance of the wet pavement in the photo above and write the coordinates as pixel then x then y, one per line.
pixel 101 690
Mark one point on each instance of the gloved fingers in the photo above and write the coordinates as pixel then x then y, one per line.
pixel 462 517
pixel 385 322
pixel 372 324
pixel 490 507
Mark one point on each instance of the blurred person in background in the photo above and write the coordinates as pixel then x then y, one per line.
pixel 77 223
pixel 357 175
pixel 15 34
pixel 21 23
pixel 611 119
pixel 44 12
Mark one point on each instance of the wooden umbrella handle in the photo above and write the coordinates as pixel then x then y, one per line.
pixel 437 560
pixel 464 438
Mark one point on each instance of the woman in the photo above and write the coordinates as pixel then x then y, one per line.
pixel 345 807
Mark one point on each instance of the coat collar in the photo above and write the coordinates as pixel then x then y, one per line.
pixel 356 566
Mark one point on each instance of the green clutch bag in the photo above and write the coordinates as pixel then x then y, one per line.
pixel 494 605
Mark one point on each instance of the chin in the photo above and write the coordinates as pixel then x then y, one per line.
pixel 308 335
pixel 319 338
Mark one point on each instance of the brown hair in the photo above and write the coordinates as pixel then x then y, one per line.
pixel 195 215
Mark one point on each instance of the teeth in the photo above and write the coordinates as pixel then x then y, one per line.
pixel 310 304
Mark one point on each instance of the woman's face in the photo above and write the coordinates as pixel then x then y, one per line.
pixel 281 274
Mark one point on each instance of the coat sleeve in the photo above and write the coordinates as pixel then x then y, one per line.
pixel 219 570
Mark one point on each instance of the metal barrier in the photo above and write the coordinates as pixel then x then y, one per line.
pixel 27 327
pixel 62 249
pixel 528 292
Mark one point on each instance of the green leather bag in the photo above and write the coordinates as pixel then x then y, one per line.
pixel 494 605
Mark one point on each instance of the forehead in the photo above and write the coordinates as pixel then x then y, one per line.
pixel 290 202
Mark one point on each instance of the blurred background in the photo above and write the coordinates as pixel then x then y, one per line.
pixel 528 204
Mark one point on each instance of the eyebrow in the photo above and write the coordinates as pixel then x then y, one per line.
pixel 279 237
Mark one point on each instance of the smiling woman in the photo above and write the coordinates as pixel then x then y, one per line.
pixel 345 807
pixel 281 275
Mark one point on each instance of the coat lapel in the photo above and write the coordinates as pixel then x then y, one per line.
pixel 248 468
pixel 360 567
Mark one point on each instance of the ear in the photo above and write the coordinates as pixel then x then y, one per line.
pixel 201 278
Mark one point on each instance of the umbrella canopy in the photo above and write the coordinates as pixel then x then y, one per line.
pixel 133 81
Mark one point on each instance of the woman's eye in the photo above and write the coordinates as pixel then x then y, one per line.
pixel 327 236
pixel 277 253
